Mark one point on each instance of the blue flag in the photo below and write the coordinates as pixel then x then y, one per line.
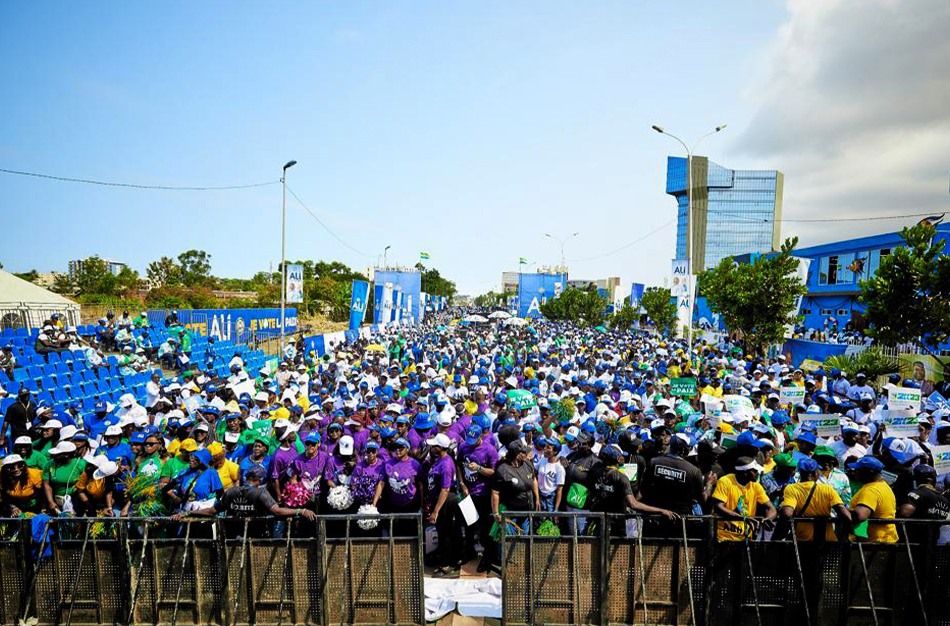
pixel 358 303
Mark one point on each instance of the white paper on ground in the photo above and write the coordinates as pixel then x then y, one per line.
pixel 468 510
pixel 476 597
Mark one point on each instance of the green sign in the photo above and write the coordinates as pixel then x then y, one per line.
pixel 521 399
pixel 685 387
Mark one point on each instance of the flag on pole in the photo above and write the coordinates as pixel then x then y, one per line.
pixel 423 255
pixel 522 260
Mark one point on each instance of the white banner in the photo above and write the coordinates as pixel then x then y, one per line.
pixel 824 425
pixel 903 398
pixel 294 289
pixel 901 423
pixel 679 283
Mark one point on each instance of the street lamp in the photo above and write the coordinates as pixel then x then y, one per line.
pixel 562 242
pixel 385 250
pixel 689 214
pixel 283 250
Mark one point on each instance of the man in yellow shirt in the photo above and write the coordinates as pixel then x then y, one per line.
pixel 875 500
pixel 737 498
pixel 809 498
pixel 227 470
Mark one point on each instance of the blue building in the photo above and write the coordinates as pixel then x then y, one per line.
pixel 834 273
pixel 734 211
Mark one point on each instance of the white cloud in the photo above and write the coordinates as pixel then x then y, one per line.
pixel 855 110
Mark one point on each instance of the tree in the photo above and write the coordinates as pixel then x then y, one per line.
pixel 95 278
pixel 908 299
pixel 30 276
pixel 63 285
pixel 163 273
pixel 574 305
pixel 660 308
pixel 624 318
pixel 127 281
pixel 434 284
pixel 756 299
pixel 195 268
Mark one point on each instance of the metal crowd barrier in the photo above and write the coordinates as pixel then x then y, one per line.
pixel 94 571
pixel 624 570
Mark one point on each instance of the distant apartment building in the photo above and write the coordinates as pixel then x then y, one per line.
pixel 114 267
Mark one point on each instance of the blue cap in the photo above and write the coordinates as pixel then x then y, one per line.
pixel 387 432
pixel 748 438
pixel 402 419
pixel 472 434
pixel 372 445
pixel 80 436
pixel 313 437
pixel 335 425
pixel 100 407
pixel 780 417
pixel 402 442
pixel 203 456
pixel 868 462
pixel 807 437
pixel 137 438
pixel 808 465
pixel 424 421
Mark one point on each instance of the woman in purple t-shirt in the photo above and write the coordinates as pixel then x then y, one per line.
pixel 403 492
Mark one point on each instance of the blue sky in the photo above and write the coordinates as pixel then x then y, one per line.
pixel 462 129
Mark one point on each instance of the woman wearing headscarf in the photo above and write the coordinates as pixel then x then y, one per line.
pixel 196 486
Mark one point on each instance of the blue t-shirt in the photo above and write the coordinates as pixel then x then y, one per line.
pixel 199 484
pixel 246 464
pixel 113 453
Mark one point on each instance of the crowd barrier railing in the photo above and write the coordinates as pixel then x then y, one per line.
pixel 212 571
pixel 594 568
pixel 623 569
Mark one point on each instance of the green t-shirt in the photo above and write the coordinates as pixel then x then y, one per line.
pixel 151 465
pixel 172 467
pixel 62 478
pixel 38 460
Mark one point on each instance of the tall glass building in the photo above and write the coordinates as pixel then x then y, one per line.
pixel 734 211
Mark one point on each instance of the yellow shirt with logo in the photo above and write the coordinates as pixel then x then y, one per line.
pixel 741 499
pixel 228 473
pixel 878 497
pixel 822 501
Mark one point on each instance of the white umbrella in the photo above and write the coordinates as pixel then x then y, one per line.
pixel 474 318
pixel 516 321
pixel 499 315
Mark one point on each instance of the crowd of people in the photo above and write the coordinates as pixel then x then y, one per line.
pixel 473 425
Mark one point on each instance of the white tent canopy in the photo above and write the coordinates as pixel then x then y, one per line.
pixel 25 305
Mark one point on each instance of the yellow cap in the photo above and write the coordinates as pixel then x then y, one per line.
pixel 215 449
pixel 189 445
pixel 173 447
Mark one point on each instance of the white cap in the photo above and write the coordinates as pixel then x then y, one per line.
pixel 281 422
pixel 63 446
pixel 53 424
pixel 11 459
pixel 126 400
pixel 444 419
pixel 440 440
pixel 175 414
pixel 261 396
pixel 23 440
pixel 113 431
pixel 105 469
pixel 753 465
pixel 345 445
pixel 67 432
pixel 203 426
